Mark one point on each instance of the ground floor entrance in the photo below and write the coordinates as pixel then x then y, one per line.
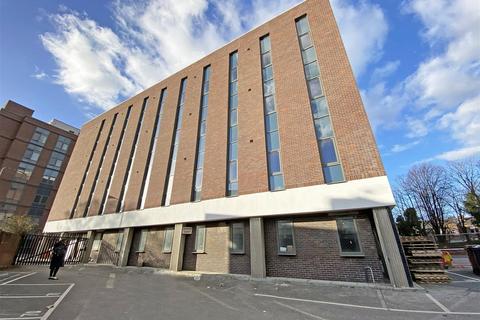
pixel 339 246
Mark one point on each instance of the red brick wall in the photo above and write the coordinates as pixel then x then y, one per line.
pixel 299 150
pixel 107 253
pixel 318 251
pixel 217 256
pixel 153 255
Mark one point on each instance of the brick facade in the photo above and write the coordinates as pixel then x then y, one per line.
pixel 153 256
pixel 217 256
pixel 318 251
pixel 17 127
pixel 299 150
pixel 107 253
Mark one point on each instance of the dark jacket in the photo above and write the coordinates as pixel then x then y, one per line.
pixel 58 255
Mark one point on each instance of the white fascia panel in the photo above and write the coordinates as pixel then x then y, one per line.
pixel 351 195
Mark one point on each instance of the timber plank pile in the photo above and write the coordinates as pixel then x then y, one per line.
pixel 424 260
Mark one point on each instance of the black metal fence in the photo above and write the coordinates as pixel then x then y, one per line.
pixel 36 249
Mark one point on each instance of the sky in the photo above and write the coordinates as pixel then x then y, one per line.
pixel 416 62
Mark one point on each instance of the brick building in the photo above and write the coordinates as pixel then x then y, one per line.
pixel 257 159
pixel 33 158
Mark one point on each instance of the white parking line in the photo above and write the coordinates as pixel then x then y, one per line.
pixel 22 318
pixel 25 297
pixel 461 275
pixel 111 281
pixel 299 311
pixel 39 284
pixel 365 307
pixel 441 306
pixel 55 305
pixel 382 300
pixel 29 274
pixel 214 299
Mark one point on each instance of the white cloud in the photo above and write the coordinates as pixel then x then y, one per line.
pixel 443 93
pixel 384 105
pixel 152 39
pixel 416 128
pixel 39 74
pixel 453 76
pixel 458 154
pixel 364 29
pixel 464 123
pixel 446 86
pixel 403 147
pixel 384 71
pixel 88 56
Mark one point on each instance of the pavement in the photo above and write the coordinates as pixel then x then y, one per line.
pixel 107 292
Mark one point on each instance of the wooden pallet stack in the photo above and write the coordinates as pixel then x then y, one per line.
pixel 424 260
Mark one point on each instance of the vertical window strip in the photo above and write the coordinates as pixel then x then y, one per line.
pixel 232 152
pixel 202 130
pixel 100 166
pixel 131 159
pixel 87 169
pixel 167 194
pixel 272 137
pixel 151 152
pixel 332 167
pixel 106 193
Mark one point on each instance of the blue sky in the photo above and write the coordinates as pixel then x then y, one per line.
pixel 417 62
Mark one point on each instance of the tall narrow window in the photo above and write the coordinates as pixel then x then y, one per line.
pixel 100 166
pixel 151 151
pixel 286 242
pixel 202 129
pixel 131 159
pixel 200 239
pixel 237 238
pixel 168 240
pixel 275 172
pixel 332 168
pixel 232 164
pixel 106 193
pixel 85 173
pixel 167 194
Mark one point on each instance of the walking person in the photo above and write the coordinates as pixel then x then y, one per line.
pixel 58 257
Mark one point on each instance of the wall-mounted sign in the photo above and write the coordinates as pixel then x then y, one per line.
pixel 187 230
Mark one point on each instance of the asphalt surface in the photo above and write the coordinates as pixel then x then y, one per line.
pixel 105 292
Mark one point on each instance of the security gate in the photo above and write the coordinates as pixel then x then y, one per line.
pixel 36 249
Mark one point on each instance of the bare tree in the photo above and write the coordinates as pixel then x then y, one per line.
pixel 466 174
pixel 456 204
pixel 465 177
pixel 428 186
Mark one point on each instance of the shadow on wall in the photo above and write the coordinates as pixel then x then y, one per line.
pixel 107 253
pixel 152 255
pixel 318 252
pixel 217 255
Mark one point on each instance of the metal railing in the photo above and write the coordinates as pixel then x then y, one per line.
pixel 36 249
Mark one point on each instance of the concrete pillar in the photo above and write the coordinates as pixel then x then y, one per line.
pixel 178 246
pixel 126 244
pixel 391 248
pixel 88 248
pixel 257 249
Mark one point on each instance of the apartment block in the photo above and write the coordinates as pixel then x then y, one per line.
pixel 33 158
pixel 257 159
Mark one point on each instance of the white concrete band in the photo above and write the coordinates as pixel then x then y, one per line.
pixel 351 195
